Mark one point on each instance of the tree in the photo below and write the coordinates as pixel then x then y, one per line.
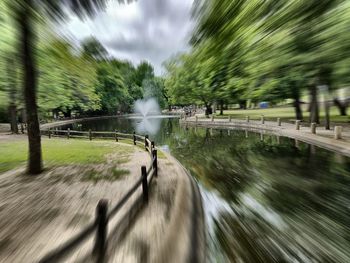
pixel 93 48
pixel 154 88
pixel 128 71
pixel 12 89
pixel 143 71
pixel 188 82
pixel 26 14
pixel 110 87
pixel 9 66
pixel 67 79
pixel 265 50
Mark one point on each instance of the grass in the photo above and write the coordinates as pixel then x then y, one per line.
pixel 161 155
pixel 59 152
pixel 110 176
pixel 285 113
pixel 118 173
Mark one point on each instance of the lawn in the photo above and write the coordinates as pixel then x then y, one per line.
pixel 59 152
pixel 285 113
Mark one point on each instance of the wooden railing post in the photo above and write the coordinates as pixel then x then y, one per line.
pixel 279 121
pixel 155 162
pixel 262 119
pixel 134 138
pixel 22 128
pixel 68 133
pixel 101 234
pixel 49 133
pixel 313 128
pixel 297 125
pixel 337 132
pixel 146 142
pixel 116 136
pixel 90 135
pixel 144 183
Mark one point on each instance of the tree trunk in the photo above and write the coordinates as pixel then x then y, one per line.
pixel 68 113
pixel 243 104
pixel 341 106
pixel 297 107
pixel 208 110
pixel 13 118
pixel 314 110
pixel 27 49
pixel 221 107
pixel 327 121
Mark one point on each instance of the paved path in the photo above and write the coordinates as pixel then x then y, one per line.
pixel 323 138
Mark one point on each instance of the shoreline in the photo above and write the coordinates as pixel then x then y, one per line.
pixel 131 115
pixel 323 138
pixel 189 218
pixel 5 127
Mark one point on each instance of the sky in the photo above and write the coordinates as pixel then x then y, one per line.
pixel 151 30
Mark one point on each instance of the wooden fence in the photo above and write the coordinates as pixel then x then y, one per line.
pixel 103 216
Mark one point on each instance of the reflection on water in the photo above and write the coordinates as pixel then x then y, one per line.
pixel 286 203
pixel 147 125
pixel 266 198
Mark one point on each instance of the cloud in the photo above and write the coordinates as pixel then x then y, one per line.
pixel 150 30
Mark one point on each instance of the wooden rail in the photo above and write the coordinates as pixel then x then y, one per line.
pixel 103 216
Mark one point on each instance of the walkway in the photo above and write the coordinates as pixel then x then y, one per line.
pixel 38 214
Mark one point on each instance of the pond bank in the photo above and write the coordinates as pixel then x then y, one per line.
pixel 40 213
pixel 171 227
pixel 323 138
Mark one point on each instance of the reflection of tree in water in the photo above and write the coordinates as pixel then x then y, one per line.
pixel 210 158
pixel 307 190
pixel 245 238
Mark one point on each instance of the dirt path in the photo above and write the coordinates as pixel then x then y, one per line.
pixel 38 214
pixel 171 227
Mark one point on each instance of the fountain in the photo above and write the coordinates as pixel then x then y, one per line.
pixel 150 112
pixel 147 107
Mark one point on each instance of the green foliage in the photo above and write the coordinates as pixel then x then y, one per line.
pixel 66 81
pixel 112 90
pixel 261 51
pixel 154 88
pixel 143 71
pixel 93 48
pixel 82 81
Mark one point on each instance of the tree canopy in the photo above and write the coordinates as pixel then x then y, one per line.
pixel 262 51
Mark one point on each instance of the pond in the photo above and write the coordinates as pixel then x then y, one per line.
pixel 266 199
